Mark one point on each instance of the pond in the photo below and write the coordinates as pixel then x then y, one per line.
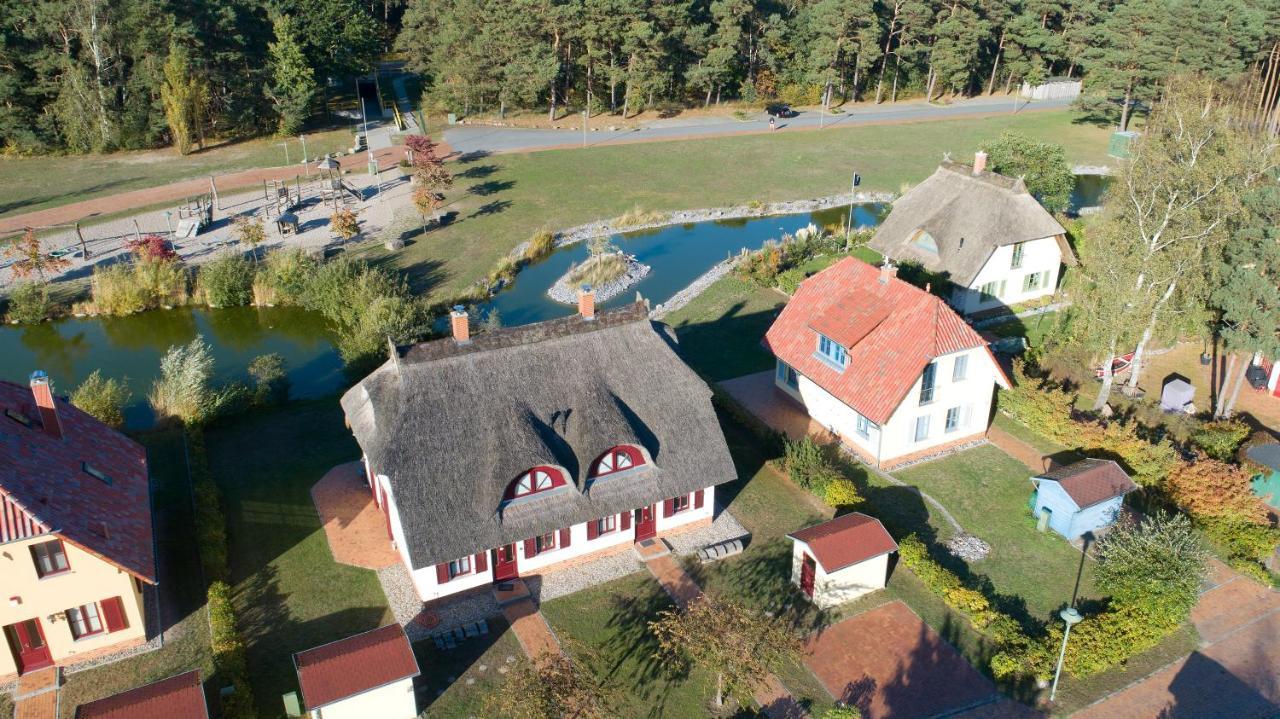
pixel 129 348
pixel 678 255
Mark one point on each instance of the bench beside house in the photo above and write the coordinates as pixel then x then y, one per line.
pixel 888 367
pixel 76 544
pixel 982 231
pixel 177 697
pixel 528 448
pixel 842 559
pixel 365 675
pixel 1081 497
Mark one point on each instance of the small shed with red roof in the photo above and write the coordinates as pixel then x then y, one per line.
pixel 178 697
pixel 366 675
pixel 841 559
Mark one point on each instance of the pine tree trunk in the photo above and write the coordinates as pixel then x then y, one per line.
pixel 1124 109
pixel 896 66
pixel 857 68
pixel 884 58
pixel 555 50
pixel 991 84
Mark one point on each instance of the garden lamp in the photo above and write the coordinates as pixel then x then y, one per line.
pixel 1072 618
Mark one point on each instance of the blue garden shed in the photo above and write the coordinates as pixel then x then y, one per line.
pixel 1081 497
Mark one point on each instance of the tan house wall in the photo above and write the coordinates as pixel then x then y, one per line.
pixel 89 579
pixel 393 701
pixel 831 589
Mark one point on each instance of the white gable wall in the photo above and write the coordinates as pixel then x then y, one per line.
pixel 393 701
pixel 1043 255
pixel 843 585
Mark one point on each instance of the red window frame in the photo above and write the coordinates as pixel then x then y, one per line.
pixel 513 489
pixel 455 567
pixel 631 453
pixel 680 504
pixel 62 550
pixel 603 526
pixel 548 542
pixel 97 615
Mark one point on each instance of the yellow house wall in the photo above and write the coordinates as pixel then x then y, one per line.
pixel 90 579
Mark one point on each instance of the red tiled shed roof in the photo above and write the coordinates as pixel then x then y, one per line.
pixel 178 697
pixel 347 667
pixel 846 540
pixel 1090 481
pixel 45 477
pixel 890 332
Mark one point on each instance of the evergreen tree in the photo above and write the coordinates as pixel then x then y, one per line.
pixel 293 84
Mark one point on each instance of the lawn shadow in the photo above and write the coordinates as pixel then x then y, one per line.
pixel 728 346
pixel 490 208
pixel 479 172
pixel 443 670
pixel 490 187
pixel 633 643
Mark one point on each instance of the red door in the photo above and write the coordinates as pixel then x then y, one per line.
pixel 26 639
pixel 646 523
pixel 504 563
pixel 806 576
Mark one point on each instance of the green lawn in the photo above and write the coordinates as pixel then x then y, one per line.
pixel 37 183
pixel 501 200
pixel 187 642
pixel 1026 434
pixel 1032 574
pixel 457 681
pixel 289 593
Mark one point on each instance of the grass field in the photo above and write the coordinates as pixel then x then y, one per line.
pixel 289 593
pixel 459 680
pixel 500 200
pixel 37 183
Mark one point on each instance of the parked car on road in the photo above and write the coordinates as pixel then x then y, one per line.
pixel 777 110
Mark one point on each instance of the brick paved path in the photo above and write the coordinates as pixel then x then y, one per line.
pixel 1035 460
pixel 773 697
pixel 353 524
pixel 531 629
pixel 37 695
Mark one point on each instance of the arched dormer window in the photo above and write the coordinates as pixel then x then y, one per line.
pixel 617 459
pixel 538 479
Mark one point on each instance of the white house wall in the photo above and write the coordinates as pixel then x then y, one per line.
pixel 843 585
pixel 1043 255
pixel 393 701
pixel 826 410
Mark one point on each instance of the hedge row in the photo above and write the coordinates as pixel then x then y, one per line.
pixel 211 544
pixel 812 466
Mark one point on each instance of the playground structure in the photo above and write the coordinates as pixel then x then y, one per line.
pixel 334 191
pixel 195 215
pixel 279 198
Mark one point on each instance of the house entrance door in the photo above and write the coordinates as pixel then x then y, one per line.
pixel 504 563
pixel 646 523
pixel 806 576
pixel 27 642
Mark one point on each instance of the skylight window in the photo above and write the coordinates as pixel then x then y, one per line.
pixel 96 473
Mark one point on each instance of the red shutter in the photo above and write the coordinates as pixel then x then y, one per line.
pixel 482 563
pixel 668 507
pixel 697 499
pixel 626 520
pixel 593 529
pixel 442 573
pixel 564 537
pixel 530 548
pixel 113 614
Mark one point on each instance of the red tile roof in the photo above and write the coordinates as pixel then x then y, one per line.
pixel 45 477
pixel 846 540
pixel 179 697
pixel 890 331
pixel 347 667
pixel 1090 481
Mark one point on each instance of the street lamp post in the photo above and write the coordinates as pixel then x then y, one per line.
pixel 303 139
pixel 1072 618
pixel 285 145
pixel 584 127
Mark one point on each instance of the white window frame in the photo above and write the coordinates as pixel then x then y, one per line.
pixel 960 369
pixel 680 504
pixel 862 426
pixel 85 625
pixel 929 372
pixel 922 423
pixel 1018 252
pixel 1041 279
pixel 833 352
pixel 953 420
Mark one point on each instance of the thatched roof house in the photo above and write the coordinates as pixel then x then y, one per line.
pixel 451 424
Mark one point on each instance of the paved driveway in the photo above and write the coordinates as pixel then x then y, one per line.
pixel 889 663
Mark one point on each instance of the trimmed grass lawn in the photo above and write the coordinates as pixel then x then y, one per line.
pixel 187 644
pixel 611 621
pixel 289 593
pixel 449 672
pixel 37 183
pixel 501 200
pixel 1032 573
pixel 1031 437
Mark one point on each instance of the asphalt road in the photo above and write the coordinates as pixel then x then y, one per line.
pixel 466 139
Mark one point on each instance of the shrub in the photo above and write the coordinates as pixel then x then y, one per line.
pixel 163 282
pixel 270 382
pixel 29 302
pixel 1155 565
pixel 1247 546
pixel 789 281
pixel 800 94
pixel 504 270
pixel 810 465
pixel 1208 488
pixel 211 526
pixel 540 245
pixel 344 224
pixel 364 304
pixel 249 231
pixel 283 277
pixel 103 399
pixel 229 654
pixel 183 390
pixel 841 492
pixel 1221 439
pixel 227 281
pixel 115 292
pixel 638 216
pixel 151 247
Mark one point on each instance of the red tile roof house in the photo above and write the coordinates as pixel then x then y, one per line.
pixel 519 451
pixel 889 368
pixel 178 697
pixel 842 559
pixel 76 544
pixel 366 675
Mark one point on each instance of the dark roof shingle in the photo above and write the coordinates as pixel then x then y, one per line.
pixel 846 540
pixel 347 667
pixel 178 697
pixel 46 477
pixel 1090 481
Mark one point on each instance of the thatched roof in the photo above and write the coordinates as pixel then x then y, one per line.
pixel 453 424
pixel 968 216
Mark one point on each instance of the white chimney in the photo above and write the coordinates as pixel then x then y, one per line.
pixel 979 162
pixel 888 271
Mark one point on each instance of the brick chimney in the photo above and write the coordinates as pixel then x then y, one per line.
pixel 888 271
pixel 587 302
pixel 42 391
pixel 461 324
pixel 979 162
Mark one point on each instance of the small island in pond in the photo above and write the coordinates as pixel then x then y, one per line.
pixel 608 270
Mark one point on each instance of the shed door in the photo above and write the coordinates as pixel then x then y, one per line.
pixel 807 573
